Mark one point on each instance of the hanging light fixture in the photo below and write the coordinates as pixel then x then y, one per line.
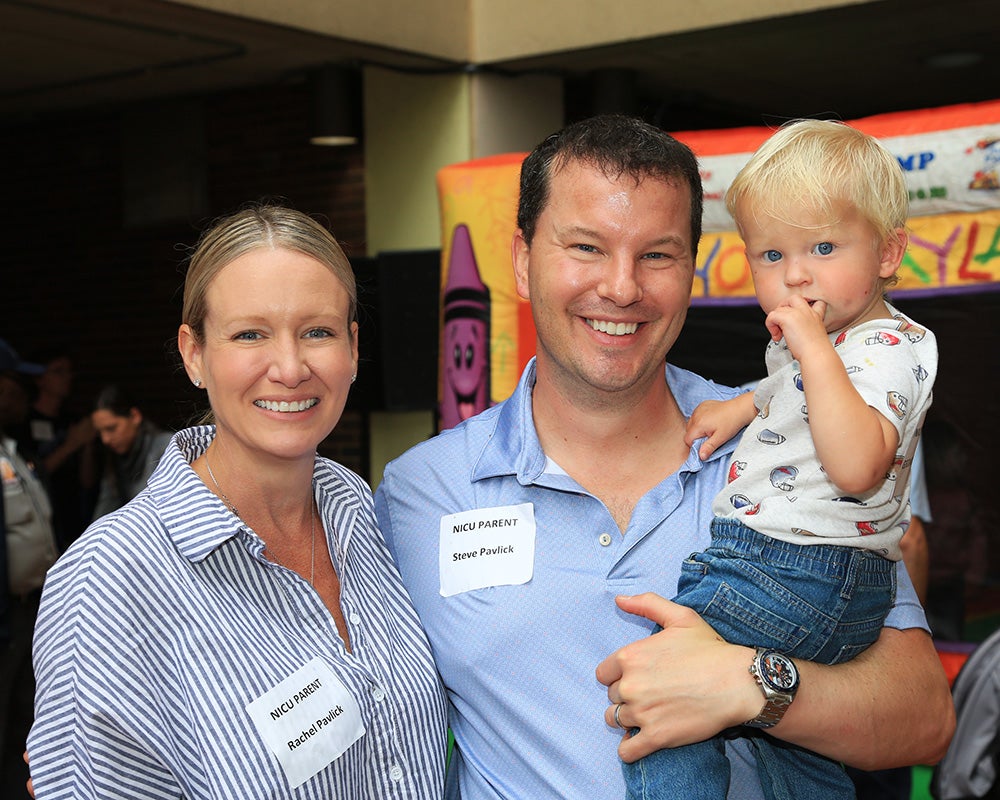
pixel 336 99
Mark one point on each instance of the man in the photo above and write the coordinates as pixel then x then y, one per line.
pixel 914 543
pixel 525 534
pixel 30 549
pixel 64 445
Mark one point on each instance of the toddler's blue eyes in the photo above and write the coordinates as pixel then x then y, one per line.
pixel 772 255
pixel 824 248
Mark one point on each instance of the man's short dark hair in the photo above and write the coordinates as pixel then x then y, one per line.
pixel 617 145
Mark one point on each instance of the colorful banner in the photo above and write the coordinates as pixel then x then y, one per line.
pixel 951 157
pixel 947 253
pixel 487 335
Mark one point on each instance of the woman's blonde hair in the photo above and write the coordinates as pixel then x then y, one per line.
pixel 259 226
pixel 815 164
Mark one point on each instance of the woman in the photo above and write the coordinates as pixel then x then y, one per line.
pixel 134 446
pixel 238 629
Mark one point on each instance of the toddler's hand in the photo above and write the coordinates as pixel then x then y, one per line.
pixel 706 420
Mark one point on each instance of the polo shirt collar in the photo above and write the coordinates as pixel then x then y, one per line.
pixel 514 448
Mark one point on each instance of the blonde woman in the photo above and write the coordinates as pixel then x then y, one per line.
pixel 239 629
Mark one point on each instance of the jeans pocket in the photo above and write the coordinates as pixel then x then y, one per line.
pixel 740 619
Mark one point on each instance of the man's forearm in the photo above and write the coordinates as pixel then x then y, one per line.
pixel 889 707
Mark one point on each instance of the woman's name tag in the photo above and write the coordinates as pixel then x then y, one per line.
pixel 308 720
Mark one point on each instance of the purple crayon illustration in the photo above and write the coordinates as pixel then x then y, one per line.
pixel 465 350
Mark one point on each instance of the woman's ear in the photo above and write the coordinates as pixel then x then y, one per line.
pixel 354 345
pixel 190 350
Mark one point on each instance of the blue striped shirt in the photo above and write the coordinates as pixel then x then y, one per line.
pixel 165 620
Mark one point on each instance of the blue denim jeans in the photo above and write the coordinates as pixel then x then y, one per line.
pixel 819 603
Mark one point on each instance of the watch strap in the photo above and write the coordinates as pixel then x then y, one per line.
pixel 771 714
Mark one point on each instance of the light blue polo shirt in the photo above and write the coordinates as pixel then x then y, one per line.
pixel 518 659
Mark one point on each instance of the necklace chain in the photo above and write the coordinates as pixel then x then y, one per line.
pixel 222 494
pixel 312 525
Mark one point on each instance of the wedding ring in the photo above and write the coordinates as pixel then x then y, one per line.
pixel 618 722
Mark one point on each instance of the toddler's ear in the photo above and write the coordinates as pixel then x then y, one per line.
pixel 893 251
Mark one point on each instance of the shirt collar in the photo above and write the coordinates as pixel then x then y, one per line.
pixel 513 447
pixel 198 522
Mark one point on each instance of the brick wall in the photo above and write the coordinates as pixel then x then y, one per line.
pixel 74 274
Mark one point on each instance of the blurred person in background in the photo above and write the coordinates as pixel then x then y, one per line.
pixel 133 447
pixel 28 550
pixel 64 443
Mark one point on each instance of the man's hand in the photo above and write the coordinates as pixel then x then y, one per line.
pixel 685 684
pixel 681 685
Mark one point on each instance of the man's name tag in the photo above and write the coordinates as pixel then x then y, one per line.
pixel 308 720
pixel 487 547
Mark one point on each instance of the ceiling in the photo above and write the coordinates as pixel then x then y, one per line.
pixel 59 56
pixel 847 62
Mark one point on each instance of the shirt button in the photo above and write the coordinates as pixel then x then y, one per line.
pixel 604 539
pixel 355 618
pixel 396 772
pixel 378 693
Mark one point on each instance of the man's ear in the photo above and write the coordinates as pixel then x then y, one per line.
pixel 519 253
pixel 893 251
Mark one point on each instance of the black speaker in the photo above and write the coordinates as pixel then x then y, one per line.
pixel 409 289
pixel 366 393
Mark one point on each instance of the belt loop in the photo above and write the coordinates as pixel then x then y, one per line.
pixel 853 564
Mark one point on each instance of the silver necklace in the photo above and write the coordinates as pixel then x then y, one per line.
pixel 312 525
pixel 222 494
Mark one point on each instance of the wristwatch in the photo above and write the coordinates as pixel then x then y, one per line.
pixel 778 679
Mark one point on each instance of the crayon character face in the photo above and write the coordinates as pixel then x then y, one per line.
pixel 465 370
pixel 882 338
pixel 912 332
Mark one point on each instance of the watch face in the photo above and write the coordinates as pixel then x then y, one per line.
pixel 779 671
